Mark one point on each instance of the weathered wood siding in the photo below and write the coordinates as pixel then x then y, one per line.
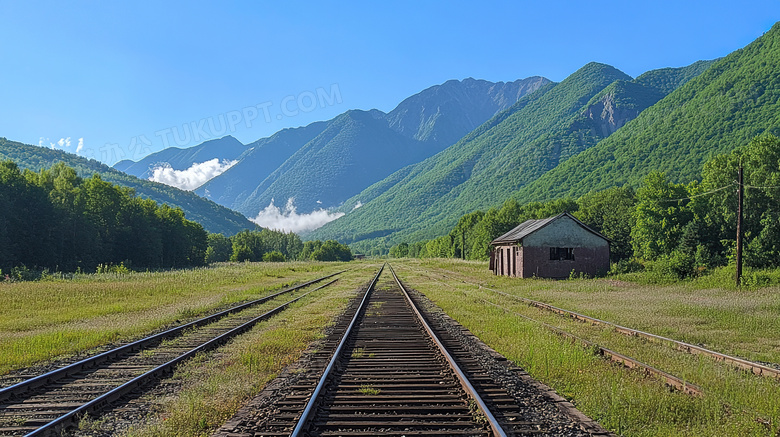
pixel 532 256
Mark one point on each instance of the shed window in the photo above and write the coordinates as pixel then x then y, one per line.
pixel 561 253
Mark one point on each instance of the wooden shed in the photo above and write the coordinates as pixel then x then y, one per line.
pixel 550 248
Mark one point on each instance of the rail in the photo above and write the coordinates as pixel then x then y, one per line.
pixel 462 377
pixel 323 379
pixel 54 375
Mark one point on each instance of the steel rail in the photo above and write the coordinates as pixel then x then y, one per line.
pixel 54 375
pixel 462 377
pixel 334 358
pixel 750 366
pixel 104 400
pixel 625 360
pixel 747 365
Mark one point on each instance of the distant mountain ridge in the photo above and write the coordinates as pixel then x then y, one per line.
pixel 442 114
pixel 214 218
pixel 323 164
pixel 513 149
pixel 225 148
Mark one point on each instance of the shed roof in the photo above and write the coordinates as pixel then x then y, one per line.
pixel 530 226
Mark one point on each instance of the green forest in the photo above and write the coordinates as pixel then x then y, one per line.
pixel 538 133
pixel 213 217
pixel 556 143
pixel 272 246
pixel 674 229
pixel 55 221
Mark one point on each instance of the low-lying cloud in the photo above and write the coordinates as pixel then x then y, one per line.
pixel 288 220
pixel 190 179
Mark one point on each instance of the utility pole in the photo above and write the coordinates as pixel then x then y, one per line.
pixel 740 195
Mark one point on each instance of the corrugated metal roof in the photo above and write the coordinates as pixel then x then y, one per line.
pixel 530 226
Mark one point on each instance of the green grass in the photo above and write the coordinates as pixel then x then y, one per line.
pixel 738 322
pixel 45 320
pixel 368 390
pixel 217 384
pixel 625 401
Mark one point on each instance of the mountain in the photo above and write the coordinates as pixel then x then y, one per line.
pixel 442 114
pixel 213 217
pixel 725 107
pixel 513 149
pixel 260 159
pixel 324 164
pixel 225 148
pixel 355 150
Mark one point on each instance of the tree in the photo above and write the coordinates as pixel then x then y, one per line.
pixel 659 216
pixel 610 213
pixel 53 219
pixel 759 160
pixel 332 250
pixel 219 248
pixel 400 250
pixel 247 246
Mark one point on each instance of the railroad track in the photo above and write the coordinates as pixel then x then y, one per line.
pixel 391 373
pixel 740 363
pixel 755 368
pixel 52 402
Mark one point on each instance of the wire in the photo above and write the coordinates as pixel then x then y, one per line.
pixel 697 195
pixel 761 188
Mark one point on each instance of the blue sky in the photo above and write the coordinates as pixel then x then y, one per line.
pixel 126 79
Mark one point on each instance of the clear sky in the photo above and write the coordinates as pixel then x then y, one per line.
pixel 121 79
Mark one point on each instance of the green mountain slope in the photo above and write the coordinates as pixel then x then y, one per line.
pixel 213 217
pixel 721 109
pixel 354 151
pixel 508 152
pixel 260 159
pixel 345 155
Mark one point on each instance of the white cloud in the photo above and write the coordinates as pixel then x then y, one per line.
pixel 357 205
pixel 190 179
pixel 80 145
pixel 272 217
pixel 42 140
pixel 62 143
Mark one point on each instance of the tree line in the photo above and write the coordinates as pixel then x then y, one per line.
pixel 55 220
pixel 677 229
pixel 272 246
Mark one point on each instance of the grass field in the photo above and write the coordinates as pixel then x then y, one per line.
pixel 744 323
pixel 45 320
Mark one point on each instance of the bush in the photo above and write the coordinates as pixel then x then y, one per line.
pixel 242 253
pixel 676 265
pixel 625 266
pixel 274 256
pixel 120 269
pixel 22 273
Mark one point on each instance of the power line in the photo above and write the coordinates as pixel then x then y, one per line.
pixel 697 195
pixel 762 188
